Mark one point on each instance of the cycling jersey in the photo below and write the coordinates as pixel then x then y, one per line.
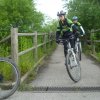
pixel 64 28
pixel 79 28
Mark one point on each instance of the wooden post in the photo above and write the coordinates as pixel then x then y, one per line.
pixel 14 44
pixel 45 42
pixel 50 42
pixel 92 41
pixel 35 44
pixel 93 44
pixel 94 48
pixel 51 38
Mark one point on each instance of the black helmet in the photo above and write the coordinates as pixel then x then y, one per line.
pixel 61 13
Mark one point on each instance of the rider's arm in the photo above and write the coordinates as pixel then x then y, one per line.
pixel 81 28
pixel 58 32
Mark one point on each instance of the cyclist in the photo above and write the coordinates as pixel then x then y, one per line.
pixel 78 30
pixel 64 29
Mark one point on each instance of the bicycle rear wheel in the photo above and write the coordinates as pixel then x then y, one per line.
pixel 74 71
pixel 80 50
pixel 9 78
pixel 79 53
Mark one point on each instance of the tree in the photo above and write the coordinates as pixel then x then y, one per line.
pixel 50 26
pixel 19 13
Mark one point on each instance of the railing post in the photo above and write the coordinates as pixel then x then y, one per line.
pixel 92 41
pixel 14 44
pixel 44 42
pixel 50 38
pixel 94 47
pixel 35 45
pixel 50 42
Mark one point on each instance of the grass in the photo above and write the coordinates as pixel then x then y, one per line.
pixel 6 70
pixel 26 61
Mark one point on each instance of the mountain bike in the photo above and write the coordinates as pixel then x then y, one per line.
pixel 72 62
pixel 9 77
pixel 78 48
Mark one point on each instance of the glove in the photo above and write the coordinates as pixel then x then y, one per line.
pixel 78 33
pixel 57 41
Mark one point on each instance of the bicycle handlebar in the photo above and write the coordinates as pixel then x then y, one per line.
pixel 63 40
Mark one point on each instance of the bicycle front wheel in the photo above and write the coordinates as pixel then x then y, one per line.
pixel 73 67
pixel 9 78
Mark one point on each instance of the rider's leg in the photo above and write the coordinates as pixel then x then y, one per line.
pixel 65 48
pixel 72 42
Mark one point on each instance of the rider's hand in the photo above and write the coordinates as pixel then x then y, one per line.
pixel 81 35
pixel 57 41
pixel 77 32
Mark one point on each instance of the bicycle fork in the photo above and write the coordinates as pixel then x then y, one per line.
pixel 73 60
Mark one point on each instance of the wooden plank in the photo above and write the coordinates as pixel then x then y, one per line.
pixel 94 40
pixel 30 34
pixel 30 49
pixel 98 30
pixel 93 31
pixel 97 41
pixel 26 51
pixel 26 34
pixel 41 34
pixel 40 45
pixel 5 39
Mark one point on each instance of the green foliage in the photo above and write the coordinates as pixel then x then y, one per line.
pixel 50 26
pixel 20 13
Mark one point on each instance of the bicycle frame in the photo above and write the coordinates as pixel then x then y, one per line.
pixel 78 43
pixel 73 53
pixel 70 49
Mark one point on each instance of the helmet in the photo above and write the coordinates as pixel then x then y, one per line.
pixel 61 13
pixel 75 18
